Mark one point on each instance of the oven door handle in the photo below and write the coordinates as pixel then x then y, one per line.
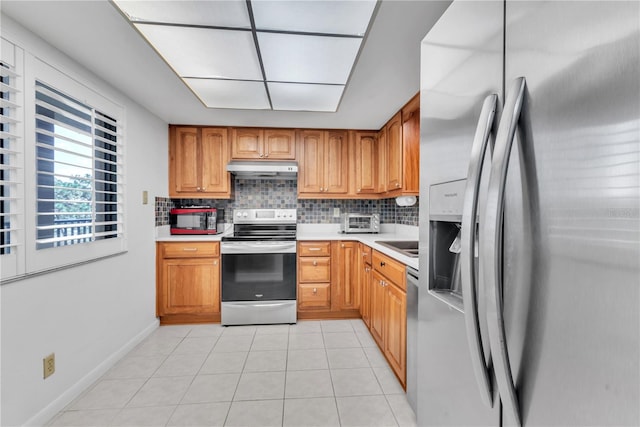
pixel 240 248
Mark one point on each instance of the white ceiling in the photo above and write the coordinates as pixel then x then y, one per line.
pixel 386 75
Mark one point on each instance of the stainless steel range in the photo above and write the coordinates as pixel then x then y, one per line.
pixel 259 268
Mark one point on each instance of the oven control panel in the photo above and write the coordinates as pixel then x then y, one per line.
pixel 265 216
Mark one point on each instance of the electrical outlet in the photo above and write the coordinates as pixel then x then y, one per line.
pixel 336 212
pixel 145 197
pixel 49 365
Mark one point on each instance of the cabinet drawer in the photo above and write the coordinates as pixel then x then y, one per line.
pixel 390 268
pixel 314 249
pixel 190 249
pixel 314 295
pixel 312 269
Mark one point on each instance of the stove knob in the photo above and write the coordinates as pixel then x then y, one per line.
pixel 244 214
pixel 239 214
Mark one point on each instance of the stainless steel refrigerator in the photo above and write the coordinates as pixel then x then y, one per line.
pixel 529 215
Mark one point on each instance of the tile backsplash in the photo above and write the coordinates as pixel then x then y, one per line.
pixel 282 194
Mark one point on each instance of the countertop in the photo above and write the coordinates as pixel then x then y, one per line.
pixel 321 232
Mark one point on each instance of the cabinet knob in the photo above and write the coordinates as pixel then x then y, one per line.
pixel 204 188
pixel 321 189
pixel 397 184
pixel 215 262
pixel 261 155
pixel 364 254
pixel 266 155
pixel 342 245
pixel 359 190
pixel 198 189
pixel 315 262
pixel 315 290
pixel 382 263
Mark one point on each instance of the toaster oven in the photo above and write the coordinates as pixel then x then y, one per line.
pixel 360 223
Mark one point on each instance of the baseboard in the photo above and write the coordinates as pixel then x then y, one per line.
pixel 48 412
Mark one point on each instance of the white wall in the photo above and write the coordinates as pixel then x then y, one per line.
pixel 91 314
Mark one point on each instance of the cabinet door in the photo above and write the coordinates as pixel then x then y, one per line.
pixel 395 330
pixel 394 153
pixel 365 279
pixel 183 159
pixel 279 144
pixel 247 143
pixel 382 161
pixel 190 286
pixel 214 146
pixel 366 164
pixel 411 146
pixel 311 167
pixel 377 308
pixel 347 283
pixel 336 163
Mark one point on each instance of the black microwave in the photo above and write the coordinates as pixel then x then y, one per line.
pixel 196 220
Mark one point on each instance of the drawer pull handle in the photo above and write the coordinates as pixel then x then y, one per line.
pixel 314 249
pixel 190 249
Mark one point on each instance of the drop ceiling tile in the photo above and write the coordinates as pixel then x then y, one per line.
pixel 228 13
pixel 202 52
pixel 307 59
pixel 305 97
pixel 230 93
pixel 315 16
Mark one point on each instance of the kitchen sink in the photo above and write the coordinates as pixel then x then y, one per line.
pixel 405 247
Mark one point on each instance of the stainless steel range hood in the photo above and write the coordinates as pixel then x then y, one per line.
pixel 263 169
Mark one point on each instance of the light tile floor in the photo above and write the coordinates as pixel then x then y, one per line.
pixel 314 373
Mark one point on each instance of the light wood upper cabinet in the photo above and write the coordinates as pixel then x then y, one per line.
pixel 394 153
pixel 399 152
pixel 197 162
pixel 263 144
pixel 183 161
pixel 324 163
pixel 279 144
pixel 381 184
pixel 246 143
pixel 214 148
pixel 366 164
pixel 411 146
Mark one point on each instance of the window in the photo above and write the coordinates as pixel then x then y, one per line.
pixel 61 170
pixel 77 166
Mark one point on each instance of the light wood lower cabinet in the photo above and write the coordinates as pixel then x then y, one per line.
pixel 188 282
pixel 388 312
pixel 366 280
pixel 328 280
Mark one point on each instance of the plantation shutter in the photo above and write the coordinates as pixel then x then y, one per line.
pixel 79 171
pixel 10 160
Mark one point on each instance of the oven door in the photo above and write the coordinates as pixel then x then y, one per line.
pixel 258 271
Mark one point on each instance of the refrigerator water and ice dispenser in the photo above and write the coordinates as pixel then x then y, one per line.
pixel 445 217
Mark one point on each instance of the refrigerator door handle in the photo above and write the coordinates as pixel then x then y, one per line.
pixel 468 231
pixel 492 247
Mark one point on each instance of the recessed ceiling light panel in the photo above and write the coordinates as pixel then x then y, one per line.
pixel 230 93
pixel 305 97
pixel 307 59
pixel 227 13
pixel 202 52
pixel 314 16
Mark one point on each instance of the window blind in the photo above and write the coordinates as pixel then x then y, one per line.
pixel 10 161
pixel 79 171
